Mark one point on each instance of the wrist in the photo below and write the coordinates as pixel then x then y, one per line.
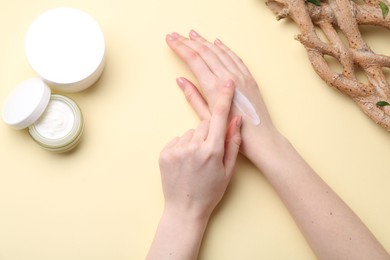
pixel 185 216
pixel 263 145
pixel 178 236
pixel 184 228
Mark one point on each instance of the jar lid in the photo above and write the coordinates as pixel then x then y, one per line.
pixel 26 103
pixel 66 48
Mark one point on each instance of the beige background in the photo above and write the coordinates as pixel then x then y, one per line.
pixel 103 201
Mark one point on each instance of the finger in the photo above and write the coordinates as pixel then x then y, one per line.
pixel 186 138
pixel 201 131
pixel 172 143
pixel 220 114
pixel 222 55
pixel 195 99
pixel 239 63
pixel 202 48
pixel 191 58
pixel 232 144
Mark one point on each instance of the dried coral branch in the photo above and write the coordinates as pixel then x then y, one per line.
pixel 345 16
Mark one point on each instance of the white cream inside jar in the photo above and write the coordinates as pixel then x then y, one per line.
pixel 55 122
pixel 60 127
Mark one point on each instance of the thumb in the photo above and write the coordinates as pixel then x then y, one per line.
pixel 232 144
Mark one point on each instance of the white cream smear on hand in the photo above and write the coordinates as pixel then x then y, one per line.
pixel 245 106
pixel 57 121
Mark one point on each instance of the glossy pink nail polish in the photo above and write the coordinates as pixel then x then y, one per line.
pixel 229 83
pixel 175 35
pixel 194 34
pixel 218 42
pixel 180 81
pixel 169 37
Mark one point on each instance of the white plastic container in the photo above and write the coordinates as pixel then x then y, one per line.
pixel 55 122
pixel 66 48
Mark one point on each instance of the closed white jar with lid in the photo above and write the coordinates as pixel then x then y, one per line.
pixel 55 122
pixel 66 48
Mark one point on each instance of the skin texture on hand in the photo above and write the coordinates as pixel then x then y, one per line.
pixel 196 169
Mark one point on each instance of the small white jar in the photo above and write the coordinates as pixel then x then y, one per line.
pixel 66 48
pixel 55 122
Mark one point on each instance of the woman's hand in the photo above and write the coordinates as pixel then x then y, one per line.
pixel 197 167
pixel 195 171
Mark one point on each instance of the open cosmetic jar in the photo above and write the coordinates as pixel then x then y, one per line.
pixel 55 122
pixel 66 48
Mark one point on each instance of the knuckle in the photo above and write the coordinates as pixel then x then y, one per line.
pixel 165 157
pixel 214 152
pixel 192 56
pixel 237 140
pixel 204 49
pixel 169 156
pixel 192 148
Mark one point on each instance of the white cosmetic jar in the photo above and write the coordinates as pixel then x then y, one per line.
pixel 55 122
pixel 66 48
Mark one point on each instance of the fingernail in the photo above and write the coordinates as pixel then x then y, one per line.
pixel 229 83
pixel 218 42
pixel 175 35
pixel 194 34
pixel 180 82
pixel 239 121
pixel 169 37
